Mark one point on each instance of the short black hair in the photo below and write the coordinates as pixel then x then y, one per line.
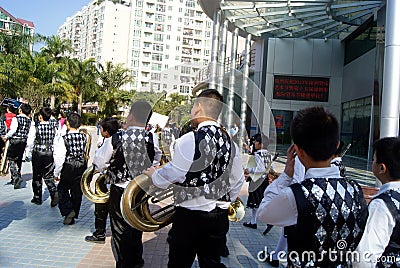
pixel 45 112
pixel 387 151
pixel 26 108
pixel 141 111
pixel 261 138
pixel 316 131
pixel 110 124
pixel 212 101
pixel 74 120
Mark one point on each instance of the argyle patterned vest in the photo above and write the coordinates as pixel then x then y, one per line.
pixel 75 143
pixel 2 128
pixel 209 173
pixel 44 138
pixel 392 251
pixel 331 213
pixel 167 136
pixel 133 152
pixel 24 123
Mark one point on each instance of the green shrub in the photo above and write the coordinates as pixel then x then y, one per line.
pixel 89 119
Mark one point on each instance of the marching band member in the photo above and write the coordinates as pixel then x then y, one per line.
pixel 208 173
pixel 18 135
pixel 324 208
pixel 108 127
pixel 133 151
pixel 70 163
pixel 40 148
pixel 262 158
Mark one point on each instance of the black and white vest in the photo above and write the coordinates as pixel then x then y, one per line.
pixel 24 123
pixel 75 143
pixel 392 250
pixel 44 138
pixel 133 152
pixel 3 128
pixel 209 173
pixel 167 136
pixel 53 122
pixel 332 214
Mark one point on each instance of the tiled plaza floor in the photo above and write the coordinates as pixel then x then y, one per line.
pixel 34 236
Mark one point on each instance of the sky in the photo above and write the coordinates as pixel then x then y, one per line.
pixel 47 15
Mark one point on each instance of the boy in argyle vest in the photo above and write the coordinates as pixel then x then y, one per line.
pixel 40 145
pixel 70 163
pixel 379 245
pixel 325 212
pixel 18 135
pixel 133 151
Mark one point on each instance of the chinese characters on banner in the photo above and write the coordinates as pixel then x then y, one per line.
pixel 301 88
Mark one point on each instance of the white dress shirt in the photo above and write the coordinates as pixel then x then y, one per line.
pixel 102 155
pixel 377 232
pixel 278 206
pixel 260 164
pixel 176 170
pixel 60 151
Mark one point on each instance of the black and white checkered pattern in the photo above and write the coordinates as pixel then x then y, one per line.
pixel 2 128
pixel 24 123
pixel 44 137
pixel 53 122
pixel 166 136
pixel 392 251
pixel 135 151
pixel 75 143
pixel 208 175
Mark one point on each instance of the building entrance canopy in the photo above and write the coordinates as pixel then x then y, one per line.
pixel 318 19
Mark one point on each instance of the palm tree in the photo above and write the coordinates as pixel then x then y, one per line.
pixel 56 50
pixel 112 78
pixel 82 77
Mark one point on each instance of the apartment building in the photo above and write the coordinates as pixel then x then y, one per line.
pixel 12 25
pixel 163 42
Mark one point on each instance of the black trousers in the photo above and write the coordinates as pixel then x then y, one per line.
pixel 42 169
pixel 126 241
pixel 15 154
pixel 197 232
pixel 100 218
pixel 69 188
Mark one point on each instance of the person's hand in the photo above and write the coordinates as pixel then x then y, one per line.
pixel 149 172
pixel 246 174
pixel 4 138
pixel 56 178
pixel 291 154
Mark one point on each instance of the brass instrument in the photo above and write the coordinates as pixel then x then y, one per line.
pixel 136 209
pixel 4 164
pixel 236 210
pixel 88 142
pixel 101 193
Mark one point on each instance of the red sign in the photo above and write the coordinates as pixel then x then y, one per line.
pixel 301 88
pixel 279 122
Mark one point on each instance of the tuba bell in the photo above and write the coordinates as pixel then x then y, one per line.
pixel 100 194
pixel 4 164
pixel 139 214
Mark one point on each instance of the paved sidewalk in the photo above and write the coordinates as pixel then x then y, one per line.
pixel 34 236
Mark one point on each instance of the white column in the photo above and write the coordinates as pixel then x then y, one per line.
pixel 232 66
pixel 214 50
pixel 391 82
pixel 222 56
pixel 244 91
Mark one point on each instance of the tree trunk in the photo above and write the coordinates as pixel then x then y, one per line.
pixel 52 101
pixel 80 103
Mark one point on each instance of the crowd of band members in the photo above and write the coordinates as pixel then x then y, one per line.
pixel 318 207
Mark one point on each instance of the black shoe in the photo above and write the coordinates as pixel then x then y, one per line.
pixel 69 218
pixel 250 225
pixel 54 200
pixel 100 239
pixel 36 201
pixel 266 231
pixel 139 265
pixel 12 182
pixel 273 263
pixel 18 183
pixel 225 253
